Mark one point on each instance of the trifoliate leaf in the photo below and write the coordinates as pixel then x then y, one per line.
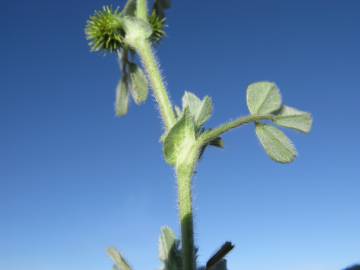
pixel 263 98
pixel 204 112
pixel 292 118
pixel 130 8
pixel 139 84
pixel 276 144
pixel 119 260
pixel 122 99
pixel 180 139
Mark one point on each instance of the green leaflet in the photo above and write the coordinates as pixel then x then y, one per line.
pixel 166 242
pixel 276 144
pixel 204 112
pixel 168 250
pixel 263 98
pixel 180 139
pixel 191 101
pixel 201 110
pixel 292 118
pixel 139 84
pixel 119 260
pixel 122 99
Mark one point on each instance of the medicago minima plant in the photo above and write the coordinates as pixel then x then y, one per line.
pixel 130 34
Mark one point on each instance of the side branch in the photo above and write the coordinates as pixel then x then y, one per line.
pixel 214 133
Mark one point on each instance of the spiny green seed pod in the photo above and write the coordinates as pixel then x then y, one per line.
pixel 158 25
pixel 104 30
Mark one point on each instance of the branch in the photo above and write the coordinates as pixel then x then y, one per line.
pixel 214 133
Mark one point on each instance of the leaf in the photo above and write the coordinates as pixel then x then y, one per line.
pixel 276 144
pixel 292 118
pixel 204 112
pixel 139 84
pixel 122 99
pixel 263 98
pixel 180 139
pixel 130 8
pixel 119 260
pixel 166 242
pixel 191 101
pixel 201 110
pixel 168 249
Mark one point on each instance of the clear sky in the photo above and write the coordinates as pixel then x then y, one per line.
pixel 74 179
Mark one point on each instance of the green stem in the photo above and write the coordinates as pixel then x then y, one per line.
pixel 161 95
pixel 214 133
pixel 142 10
pixel 184 171
pixel 184 175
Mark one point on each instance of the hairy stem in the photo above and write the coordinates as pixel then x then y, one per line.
pixel 214 133
pixel 161 95
pixel 141 9
pixel 184 171
pixel 184 175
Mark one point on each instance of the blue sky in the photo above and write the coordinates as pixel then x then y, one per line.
pixel 74 179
